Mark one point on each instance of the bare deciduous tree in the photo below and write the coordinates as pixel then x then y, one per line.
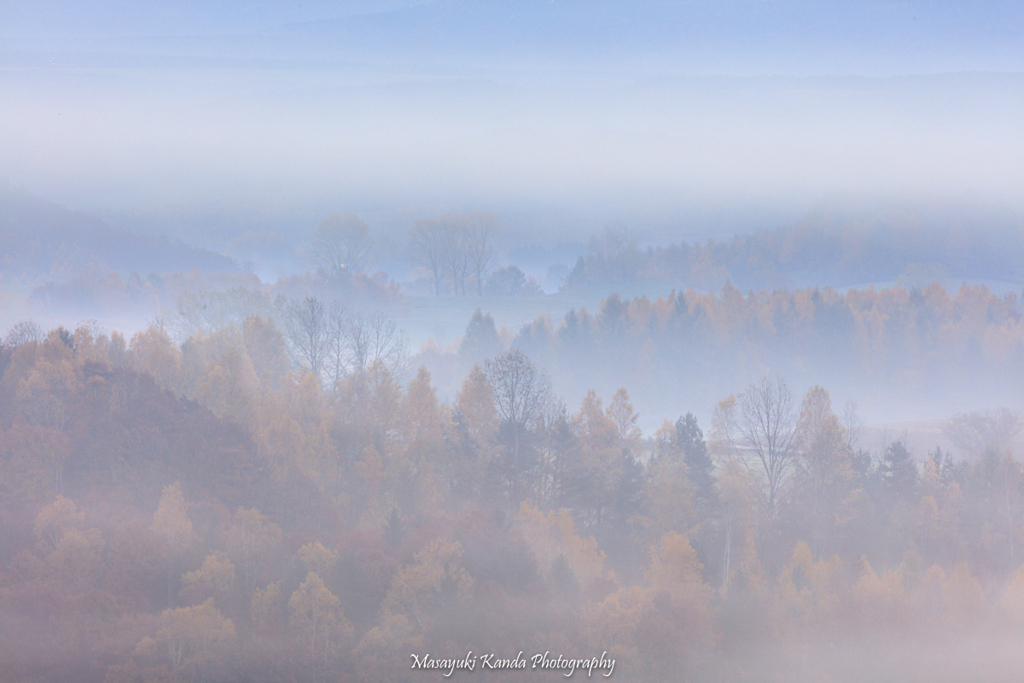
pixel 982 432
pixel 342 243
pixel 457 258
pixel 455 246
pixel 308 327
pixel 332 343
pixel 768 428
pixel 22 333
pixel 521 394
pixel 482 227
pixel 208 311
pixel 373 339
pixel 853 423
pixel 521 391
pixel 428 248
pixel 337 360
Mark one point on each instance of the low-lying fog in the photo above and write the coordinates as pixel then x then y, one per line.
pixel 689 334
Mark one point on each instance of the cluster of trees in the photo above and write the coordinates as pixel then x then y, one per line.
pixel 342 244
pixel 456 249
pixel 215 511
pixel 511 281
pixel 333 343
pixel 910 344
pixel 816 249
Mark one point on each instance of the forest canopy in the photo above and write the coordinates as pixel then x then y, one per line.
pixel 216 511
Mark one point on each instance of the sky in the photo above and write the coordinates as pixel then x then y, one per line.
pixel 202 119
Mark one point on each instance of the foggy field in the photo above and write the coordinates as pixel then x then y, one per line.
pixel 391 341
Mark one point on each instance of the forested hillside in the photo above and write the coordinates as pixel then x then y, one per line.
pixel 215 511
pixel 823 247
pixel 41 242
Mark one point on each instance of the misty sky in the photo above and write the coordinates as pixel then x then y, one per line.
pixel 205 118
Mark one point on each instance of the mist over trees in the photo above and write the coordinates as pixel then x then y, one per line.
pixel 342 243
pixel 215 510
pixel 270 482
pixel 658 342
pixel 42 241
pixel 456 249
pixel 911 344
pixel 817 249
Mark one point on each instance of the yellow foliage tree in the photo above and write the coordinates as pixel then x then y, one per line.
pixel 54 520
pixel 214 579
pixel 190 638
pixel 152 352
pixel 668 495
pixel 318 558
pixel 612 623
pixel 249 537
pixel 475 402
pixel 315 617
pixel 552 534
pixel 227 386
pixel 599 458
pixel 264 607
pixel 435 576
pixel 422 437
pixel 265 346
pixel 676 570
pixel 172 526
pixel 384 649
pixel 809 589
pixel 44 400
pixel 826 476
pixel 879 599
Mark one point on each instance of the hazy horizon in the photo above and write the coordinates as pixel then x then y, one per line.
pixel 207 120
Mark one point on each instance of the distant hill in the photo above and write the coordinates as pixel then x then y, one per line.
pixel 41 240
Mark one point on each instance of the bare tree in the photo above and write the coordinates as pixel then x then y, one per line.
pixel 373 339
pixel 768 428
pixel 982 432
pixel 337 356
pixel 22 333
pixel 307 325
pixel 454 246
pixel 990 434
pixel 333 343
pixel 455 234
pixel 482 228
pixel 427 240
pixel 521 393
pixel 853 423
pixel 206 311
pixel 342 243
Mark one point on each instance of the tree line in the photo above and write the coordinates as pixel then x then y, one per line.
pixel 913 343
pixel 817 248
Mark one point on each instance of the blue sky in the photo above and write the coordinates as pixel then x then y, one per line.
pixel 584 113
pixel 863 37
